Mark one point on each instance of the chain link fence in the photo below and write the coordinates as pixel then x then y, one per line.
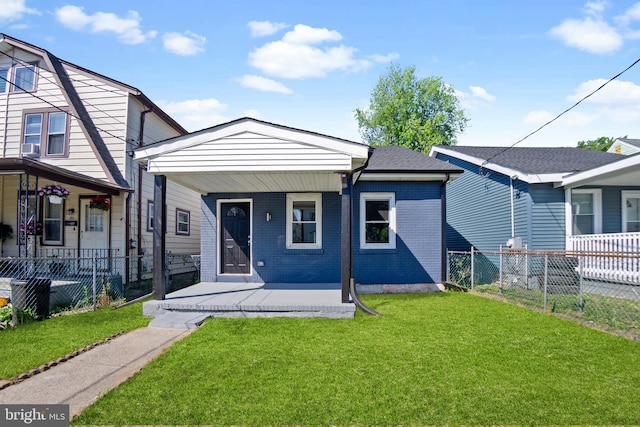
pixel 599 288
pixel 36 288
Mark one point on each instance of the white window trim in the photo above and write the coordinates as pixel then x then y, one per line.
pixel 45 219
pixel 150 215
pixel 307 197
pixel 187 222
pixel 14 78
pixel 391 197
pixel 597 209
pixel 627 194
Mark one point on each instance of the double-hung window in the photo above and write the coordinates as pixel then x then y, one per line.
pixel 183 222
pixel 48 130
pixel 586 211
pixel 304 221
pixel 377 221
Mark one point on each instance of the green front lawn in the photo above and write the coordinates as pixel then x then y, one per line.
pixel 449 358
pixel 33 344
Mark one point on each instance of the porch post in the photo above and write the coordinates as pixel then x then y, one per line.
pixel 345 234
pixel 159 235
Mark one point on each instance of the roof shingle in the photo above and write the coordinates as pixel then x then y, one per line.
pixel 540 160
pixel 394 158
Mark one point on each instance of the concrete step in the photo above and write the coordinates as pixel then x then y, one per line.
pixel 179 320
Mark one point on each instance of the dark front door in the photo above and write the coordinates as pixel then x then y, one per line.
pixel 235 238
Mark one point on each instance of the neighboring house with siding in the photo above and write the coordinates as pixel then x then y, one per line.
pixel 61 124
pixel 542 198
pixel 285 205
pixel 625 146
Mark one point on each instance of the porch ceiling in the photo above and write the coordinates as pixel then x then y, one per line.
pixel 262 182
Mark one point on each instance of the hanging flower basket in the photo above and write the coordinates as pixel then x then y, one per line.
pixel 55 193
pixel 32 227
pixel 99 202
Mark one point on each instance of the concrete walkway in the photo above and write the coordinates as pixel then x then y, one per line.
pixel 79 381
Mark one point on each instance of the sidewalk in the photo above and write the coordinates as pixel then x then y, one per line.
pixel 81 380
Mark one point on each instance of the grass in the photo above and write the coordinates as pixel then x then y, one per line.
pixel 33 344
pixel 436 359
pixel 607 311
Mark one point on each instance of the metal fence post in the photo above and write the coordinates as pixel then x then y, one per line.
pixel 580 272
pixel 94 279
pixel 472 268
pixel 448 273
pixel 500 277
pixel 546 275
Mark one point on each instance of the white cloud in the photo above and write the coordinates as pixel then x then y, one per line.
pixel 263 84
pixel 127 29
pixel 615 92
pixel 12 10
pixel 303 34
pixel 298 55
pixel 478 97
pixel 184 44
pixel 593 36
pixel 265 28
pixel 196 114
pixel 595 8
pixel 481 93
pixel 630 15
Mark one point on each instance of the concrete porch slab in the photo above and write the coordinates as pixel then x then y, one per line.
pixel 190 306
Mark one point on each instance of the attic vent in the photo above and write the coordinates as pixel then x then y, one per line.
pixel 30 150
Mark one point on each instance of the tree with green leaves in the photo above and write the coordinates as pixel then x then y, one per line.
pixel 411 112
pixel 601 144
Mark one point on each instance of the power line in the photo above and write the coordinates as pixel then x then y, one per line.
pixel 98 109
pixel 563 113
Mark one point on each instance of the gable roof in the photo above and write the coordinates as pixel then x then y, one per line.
pixel 59 71
pixel 253 155
pixel 634 142
pixel 531 164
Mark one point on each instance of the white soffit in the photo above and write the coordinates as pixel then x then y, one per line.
pixel 624 172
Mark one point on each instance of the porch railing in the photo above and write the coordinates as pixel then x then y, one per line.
pixel 611 242
pixel 613 256
pixel 77 253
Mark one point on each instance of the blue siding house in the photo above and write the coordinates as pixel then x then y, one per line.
pixel 542 198
pixel 285 205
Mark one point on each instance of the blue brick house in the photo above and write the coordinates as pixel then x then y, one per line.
pixel 285 205
pixel 542 198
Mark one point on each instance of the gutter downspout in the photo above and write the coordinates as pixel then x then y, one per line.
pixel 443 228
pixel 139 201
pixel 513 215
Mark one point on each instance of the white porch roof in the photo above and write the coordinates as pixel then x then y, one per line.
pixel 623 172
pixel 249 155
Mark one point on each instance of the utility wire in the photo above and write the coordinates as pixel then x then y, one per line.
pixel 55 83
pixel 561 114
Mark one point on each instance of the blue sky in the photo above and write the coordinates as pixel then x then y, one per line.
pixel 514 64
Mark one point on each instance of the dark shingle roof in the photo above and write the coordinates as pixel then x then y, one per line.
pixel 634 142
pixel 399 159
pixel 540 160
